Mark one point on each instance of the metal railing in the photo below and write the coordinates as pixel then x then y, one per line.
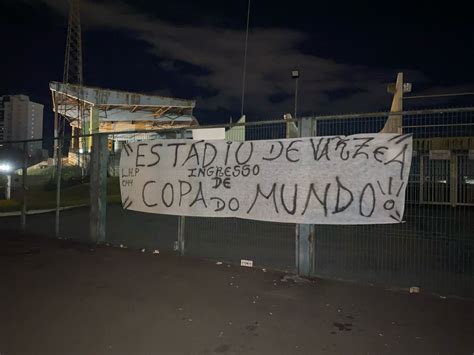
pixel 433 249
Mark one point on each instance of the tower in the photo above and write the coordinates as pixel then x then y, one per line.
pixel 73 58
pixel 72 74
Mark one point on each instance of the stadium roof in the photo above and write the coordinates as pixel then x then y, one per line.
pixel 120 107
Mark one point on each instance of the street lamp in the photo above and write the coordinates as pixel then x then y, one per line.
pixel 295 74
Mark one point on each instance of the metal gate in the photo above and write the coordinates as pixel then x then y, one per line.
pixel 435 180
pixel 465 180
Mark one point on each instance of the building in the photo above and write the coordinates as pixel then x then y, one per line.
pixel 21 119
pixel 126 116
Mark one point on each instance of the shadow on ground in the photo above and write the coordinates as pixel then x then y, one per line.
pixel 63 297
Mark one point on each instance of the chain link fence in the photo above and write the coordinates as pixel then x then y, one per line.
pixel 433 249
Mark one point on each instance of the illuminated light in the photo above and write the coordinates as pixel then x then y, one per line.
pixel 469 181
pixel 6 168
pixel 81 150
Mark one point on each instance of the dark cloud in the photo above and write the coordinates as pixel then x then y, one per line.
pixel 204 57
pixel 216 54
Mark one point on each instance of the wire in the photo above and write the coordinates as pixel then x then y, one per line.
pixel 438 95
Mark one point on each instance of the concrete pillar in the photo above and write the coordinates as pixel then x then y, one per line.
pixel 8 187
pixel 98 188
pixel 394 122
pixel 117 145
pixel 91 126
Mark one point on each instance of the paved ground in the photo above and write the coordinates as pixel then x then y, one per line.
pixel 433 250
pixel 57 297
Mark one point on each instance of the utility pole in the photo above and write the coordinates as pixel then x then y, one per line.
pixel 245 60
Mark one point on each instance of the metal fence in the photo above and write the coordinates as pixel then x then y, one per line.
pixel 433 249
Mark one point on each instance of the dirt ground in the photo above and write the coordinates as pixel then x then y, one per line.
pixel 59 297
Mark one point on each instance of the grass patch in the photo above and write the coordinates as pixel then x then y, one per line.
pixel 9 205
pixel 39 199
pixel 66 171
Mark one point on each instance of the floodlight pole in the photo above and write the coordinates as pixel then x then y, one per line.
pixel 295 74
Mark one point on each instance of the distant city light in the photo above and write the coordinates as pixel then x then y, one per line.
pixel 81 150
pixel 468 180
pixel 5 168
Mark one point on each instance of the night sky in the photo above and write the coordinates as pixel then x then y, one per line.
pixel 347 52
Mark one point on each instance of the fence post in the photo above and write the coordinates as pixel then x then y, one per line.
pixel 305 232
pixel 181 219
pixel 23 185
pixel 98 188
pixel 59 162
pixel 453 179
pixel 181 230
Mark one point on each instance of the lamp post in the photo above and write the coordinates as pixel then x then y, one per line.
pixel 295 74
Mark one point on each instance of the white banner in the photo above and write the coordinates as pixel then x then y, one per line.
pixel 358 179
